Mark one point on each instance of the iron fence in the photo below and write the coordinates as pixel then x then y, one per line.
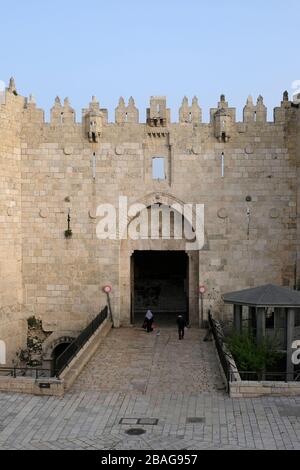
pixel 218 335
pixel 73 349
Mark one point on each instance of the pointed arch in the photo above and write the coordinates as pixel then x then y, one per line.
pixel 127 248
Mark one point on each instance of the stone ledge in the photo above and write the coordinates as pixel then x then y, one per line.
pixel 32 386
pixel 262 389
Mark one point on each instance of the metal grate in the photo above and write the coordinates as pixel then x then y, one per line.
pixel 139 421
pixel 195 421
pixel 135 432
pixel 148 422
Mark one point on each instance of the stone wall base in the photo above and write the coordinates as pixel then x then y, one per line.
pixel 41 387
pixel 264 389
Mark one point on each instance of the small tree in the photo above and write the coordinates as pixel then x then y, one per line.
pixel 250 356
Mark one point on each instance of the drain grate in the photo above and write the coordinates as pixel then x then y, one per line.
pixel 135 432
pixel 148 422
pixel 128 421
pixel 195 421
pixel 139 421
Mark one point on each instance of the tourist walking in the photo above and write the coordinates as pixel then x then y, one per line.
pixel 181 323
pixel 149 319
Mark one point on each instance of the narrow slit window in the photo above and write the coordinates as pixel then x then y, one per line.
pixel 94 165
pixel 222 165
pixel 158 168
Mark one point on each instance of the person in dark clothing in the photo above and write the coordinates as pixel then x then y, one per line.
pixel 181 323
pixel 149 319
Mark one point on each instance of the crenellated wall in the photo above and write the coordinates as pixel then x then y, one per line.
pixel 245 173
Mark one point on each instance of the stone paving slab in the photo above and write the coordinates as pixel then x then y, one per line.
pixel 89 416
pixel 132 360
pixel 91 420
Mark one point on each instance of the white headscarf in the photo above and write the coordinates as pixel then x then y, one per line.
pixel 149 315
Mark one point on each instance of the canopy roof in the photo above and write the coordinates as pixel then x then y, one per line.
pixel 265 296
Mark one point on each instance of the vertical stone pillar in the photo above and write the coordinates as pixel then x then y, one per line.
pixel 290 338
pixel 238 318
pixel 194 288
pixel 124 315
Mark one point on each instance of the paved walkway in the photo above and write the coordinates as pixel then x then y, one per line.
pixel 130 360
pixel 175 384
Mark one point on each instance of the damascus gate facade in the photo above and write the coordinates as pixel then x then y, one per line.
pixel 55 175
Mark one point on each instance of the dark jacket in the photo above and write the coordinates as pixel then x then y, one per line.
pixel 181 323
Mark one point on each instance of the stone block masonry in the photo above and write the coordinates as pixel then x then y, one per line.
pixel 245 173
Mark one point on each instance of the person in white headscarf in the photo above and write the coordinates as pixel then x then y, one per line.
pixel 149 319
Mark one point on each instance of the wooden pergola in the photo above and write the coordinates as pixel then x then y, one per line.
pixel 260 299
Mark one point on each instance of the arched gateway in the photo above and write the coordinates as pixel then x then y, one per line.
pixel 159 272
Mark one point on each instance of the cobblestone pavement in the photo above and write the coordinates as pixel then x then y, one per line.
pixel 132 360
pixel 112 397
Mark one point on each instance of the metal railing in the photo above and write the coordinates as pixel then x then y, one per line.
pixel 225 358
pixel 73 349
pixel 25 372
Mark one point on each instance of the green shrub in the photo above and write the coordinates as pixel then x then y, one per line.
pixel 33 323
pixel 250 356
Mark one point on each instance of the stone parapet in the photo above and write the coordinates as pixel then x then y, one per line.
pixel 245 389
pixel 41 387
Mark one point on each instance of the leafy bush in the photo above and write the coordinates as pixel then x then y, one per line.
pixel 33 323
pixel 250 356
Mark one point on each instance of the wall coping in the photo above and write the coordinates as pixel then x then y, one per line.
pixel 245 389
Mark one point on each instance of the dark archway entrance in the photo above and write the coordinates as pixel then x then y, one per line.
pixel 160 281
pixel 55 355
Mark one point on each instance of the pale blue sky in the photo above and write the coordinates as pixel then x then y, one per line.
pixel 168 47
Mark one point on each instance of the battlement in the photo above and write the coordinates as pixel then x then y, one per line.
pixel 94 118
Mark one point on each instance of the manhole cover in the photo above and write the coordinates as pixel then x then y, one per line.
pixel 135 432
